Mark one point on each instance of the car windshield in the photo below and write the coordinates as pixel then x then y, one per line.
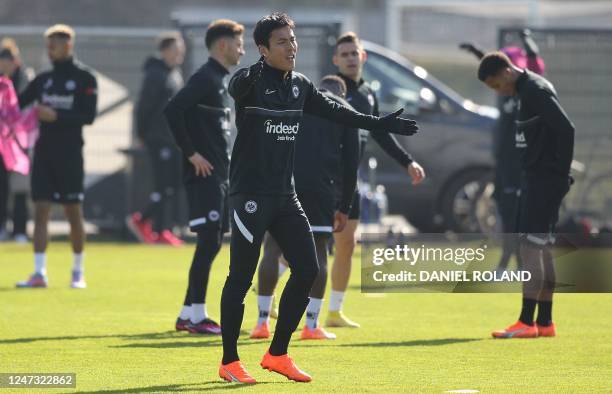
pixel 395 87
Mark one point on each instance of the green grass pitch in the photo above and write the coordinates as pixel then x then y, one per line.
pixel 118 335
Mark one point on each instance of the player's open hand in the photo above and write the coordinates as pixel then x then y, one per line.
pixel 416 172
pixel 201 165
pixel 392 123
pixel 340 221
pixel 46 113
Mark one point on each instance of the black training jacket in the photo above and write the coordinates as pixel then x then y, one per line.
pixel 199 118
pixel 327 153
pixel 71 89
pixel 269 109
pixel 544 132
pixel 159 84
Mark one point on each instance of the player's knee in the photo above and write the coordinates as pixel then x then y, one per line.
pixel 548 285
pixel 41 216
pixel 313 272
pixel 346 243
pixel 550 279
pixel 72 212
pixel 271 256
pixel 236 287
pixel 322 264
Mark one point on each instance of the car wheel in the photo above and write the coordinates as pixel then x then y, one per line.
pixel 467 203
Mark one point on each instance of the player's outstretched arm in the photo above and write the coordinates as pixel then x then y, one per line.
pixel 317 104
pixel 243 81
pixel 529 44
pixel 473 49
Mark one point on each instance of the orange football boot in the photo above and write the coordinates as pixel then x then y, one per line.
pixel 517 330
pixel 235 372
pixel 285 366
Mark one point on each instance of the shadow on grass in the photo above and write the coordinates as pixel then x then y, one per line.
pixel 21 290
pixel 417 342
pixel 175 388
pixel 191 344
pixel 144 336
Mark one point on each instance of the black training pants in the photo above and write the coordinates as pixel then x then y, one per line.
pixel 166 165
pixel 283 217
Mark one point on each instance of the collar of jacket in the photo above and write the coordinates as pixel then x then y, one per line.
pixel 214 63
pixel 63 65
pixel 520 81
pixel 350 83
pixel 276 74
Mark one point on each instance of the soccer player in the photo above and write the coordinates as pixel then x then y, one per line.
pixel 507 158
pixel 162 80
pixel 270 99
pixel 322 149
pixel 199 117
pixel 349 57
pixel 67 98
pixel 545 137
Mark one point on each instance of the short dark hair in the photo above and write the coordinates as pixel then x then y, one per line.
pixel 268 24
pixel 334 84
pixel 222 28
pixel 166 39
pixel 491 64
pixel 348 37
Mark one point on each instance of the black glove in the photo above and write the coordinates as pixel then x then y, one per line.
pixel 466 46
pixel 392 123
pixel 529 44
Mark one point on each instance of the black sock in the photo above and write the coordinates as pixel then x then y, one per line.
pixel 527 311
pixel 544 313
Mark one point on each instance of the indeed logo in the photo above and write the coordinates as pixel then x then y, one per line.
pixel 281 128
pixel 58 101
